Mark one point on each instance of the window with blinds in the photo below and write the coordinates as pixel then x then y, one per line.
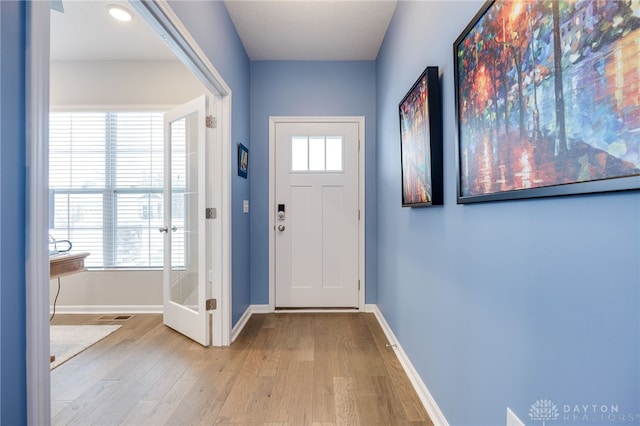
pixel 106 180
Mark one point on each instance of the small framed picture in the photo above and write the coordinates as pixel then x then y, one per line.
pixel 421 142
pixel 243 160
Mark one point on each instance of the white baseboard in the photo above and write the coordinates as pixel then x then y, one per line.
pixel 107 309
pixel 260 309
pixel 427 400
pixel 252 309
pixel 235 331
pixel 370 308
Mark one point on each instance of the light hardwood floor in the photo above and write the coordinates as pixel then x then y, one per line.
pixel 284 369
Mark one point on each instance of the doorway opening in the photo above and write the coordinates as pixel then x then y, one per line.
pixel 165 24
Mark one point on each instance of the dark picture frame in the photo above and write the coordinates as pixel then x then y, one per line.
pixel 547 100
pixel 420 113
pixel 243 160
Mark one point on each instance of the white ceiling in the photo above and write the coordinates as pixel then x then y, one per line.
pixel 327 30
pixel 86 32
pixel 269 29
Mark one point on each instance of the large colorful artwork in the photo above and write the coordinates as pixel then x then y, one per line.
pixel 421 142
pixel 548 99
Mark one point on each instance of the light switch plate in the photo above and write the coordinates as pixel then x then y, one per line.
pixel 245 206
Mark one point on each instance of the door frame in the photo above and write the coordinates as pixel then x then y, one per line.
pixel 163 20
pixel 360 120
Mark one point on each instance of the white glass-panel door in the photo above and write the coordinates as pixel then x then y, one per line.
pixel 185 291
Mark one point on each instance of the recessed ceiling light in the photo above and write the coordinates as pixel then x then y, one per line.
pixel 120 13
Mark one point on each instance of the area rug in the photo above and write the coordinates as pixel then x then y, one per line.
pixel 69 340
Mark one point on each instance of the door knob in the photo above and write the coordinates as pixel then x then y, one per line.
pixel 280 228
pixel 165 229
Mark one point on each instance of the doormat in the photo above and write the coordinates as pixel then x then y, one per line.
pixel 69 340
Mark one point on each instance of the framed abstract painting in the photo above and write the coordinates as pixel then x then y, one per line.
pixel 421 142
pixel 548 99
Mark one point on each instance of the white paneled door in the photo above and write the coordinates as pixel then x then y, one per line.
pixel 185 290
pixel 316 215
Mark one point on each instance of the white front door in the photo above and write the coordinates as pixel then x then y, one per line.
pixel 184 278
pixel 316 215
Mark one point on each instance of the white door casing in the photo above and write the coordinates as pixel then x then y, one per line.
pixel 317 243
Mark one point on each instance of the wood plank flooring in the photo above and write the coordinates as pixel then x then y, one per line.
pixel 284 369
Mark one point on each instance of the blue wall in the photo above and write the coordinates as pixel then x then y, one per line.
pixel 496 304
pixel 13 376
pixel 210 25
pixel 306 88
pixel 501 304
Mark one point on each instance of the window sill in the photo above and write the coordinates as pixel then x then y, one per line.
pixel 96 269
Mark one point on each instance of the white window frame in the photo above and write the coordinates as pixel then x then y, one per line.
pixel 110 191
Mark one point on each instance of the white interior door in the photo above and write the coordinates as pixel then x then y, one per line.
pixel 316 215
pixel 184 279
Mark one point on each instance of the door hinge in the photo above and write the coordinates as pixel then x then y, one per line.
pixel 358 214
pixel 358 145
pixel 211 122
pixel 358 285
pixel 211 304
pixel 210 213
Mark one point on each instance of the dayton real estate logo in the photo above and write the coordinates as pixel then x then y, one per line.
pixel 543 409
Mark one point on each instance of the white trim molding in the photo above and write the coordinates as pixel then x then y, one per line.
pixel 37 267
pixel 371 308
pixel 107 309
pixel 242 322
pixel 427 400
pixel 237 329
pixel 260 309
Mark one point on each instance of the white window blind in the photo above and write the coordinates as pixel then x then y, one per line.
pixel 106 186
